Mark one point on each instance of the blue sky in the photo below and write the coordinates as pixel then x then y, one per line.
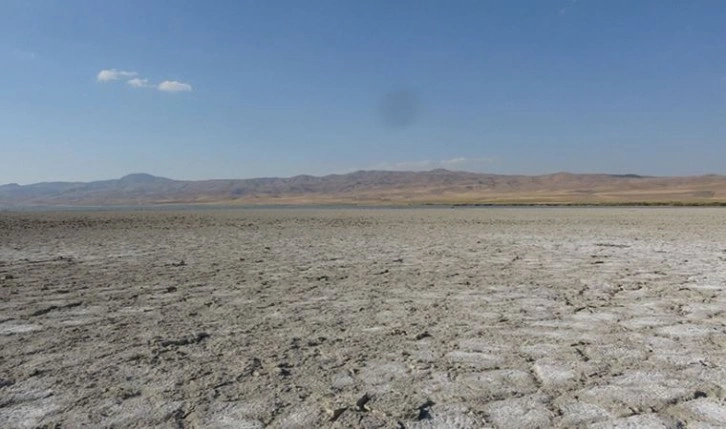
pixel 237 89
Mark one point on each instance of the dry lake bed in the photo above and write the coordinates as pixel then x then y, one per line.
pixel 379 318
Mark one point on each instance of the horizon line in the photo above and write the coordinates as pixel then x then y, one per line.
pixel 320 176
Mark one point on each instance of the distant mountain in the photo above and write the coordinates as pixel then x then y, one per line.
pixel 375 187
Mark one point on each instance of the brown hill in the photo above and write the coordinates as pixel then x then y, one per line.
pixel 378 187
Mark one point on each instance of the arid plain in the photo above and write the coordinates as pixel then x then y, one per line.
pixel 354 318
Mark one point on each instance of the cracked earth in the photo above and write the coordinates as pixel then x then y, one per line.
pixel 390 318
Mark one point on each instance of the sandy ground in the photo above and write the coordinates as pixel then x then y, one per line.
pixel 441 318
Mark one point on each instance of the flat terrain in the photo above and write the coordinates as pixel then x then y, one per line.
pixel 440 318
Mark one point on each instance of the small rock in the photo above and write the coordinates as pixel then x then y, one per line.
pixel 362 401
pixel 8 277
pixel 424 410
pixel 422 335
pixel 337 413
pixel 171 289
pixel 283 369
pixel 316 342
pixel 36 372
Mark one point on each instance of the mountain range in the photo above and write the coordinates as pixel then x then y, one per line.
pixel 376 188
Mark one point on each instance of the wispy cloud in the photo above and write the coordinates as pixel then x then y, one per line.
pixel 459 163
pixel 405 165
pixel 133 79
pixel 23 54
pixel 139 83
pixel 174 86
pixel 113 74
pixel 568 8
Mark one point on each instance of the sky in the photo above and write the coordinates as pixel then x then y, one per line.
pixel 94 90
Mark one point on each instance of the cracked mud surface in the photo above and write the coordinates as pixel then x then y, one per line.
pixel 528 318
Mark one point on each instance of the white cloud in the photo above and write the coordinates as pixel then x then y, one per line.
pixel 456 161
pixel 174 86
pixel 139 83
pixel 132 78
pixel 113 74
pixel 459 163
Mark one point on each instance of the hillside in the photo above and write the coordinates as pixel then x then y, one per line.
pixel 376 187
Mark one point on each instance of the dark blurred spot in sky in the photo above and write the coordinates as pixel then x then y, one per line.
pixel 398 109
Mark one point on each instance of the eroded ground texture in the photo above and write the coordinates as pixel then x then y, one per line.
pixel 426 318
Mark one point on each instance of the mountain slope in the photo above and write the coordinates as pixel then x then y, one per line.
pixel 375 187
